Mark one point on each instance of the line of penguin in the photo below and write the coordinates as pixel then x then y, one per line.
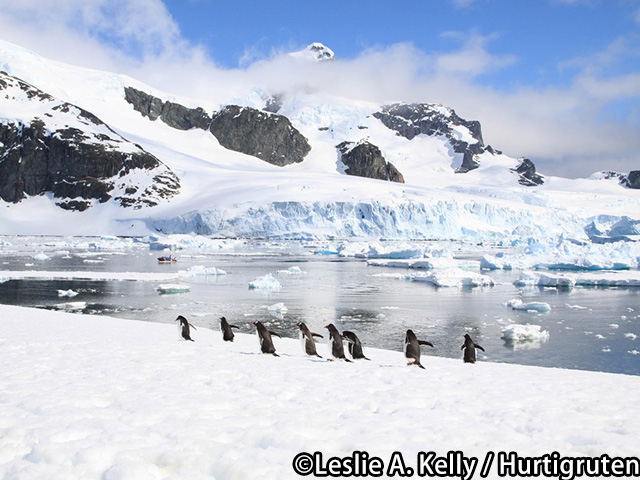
pixel 411 342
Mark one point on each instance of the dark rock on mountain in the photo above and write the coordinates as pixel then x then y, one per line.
pixel 633 179
pixel 527 172
pixel 273 104
pixel 366 160
pixel 173 114
pixel 409 120
pixel 78 164
pixel 268 136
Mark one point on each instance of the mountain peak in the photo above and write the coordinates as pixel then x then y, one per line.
pixel 315 51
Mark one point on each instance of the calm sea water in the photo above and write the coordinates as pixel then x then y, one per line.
pixel 591 329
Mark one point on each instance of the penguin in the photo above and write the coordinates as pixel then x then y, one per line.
pixel 412 348
pixel 227 333
pixel 353 345
pixel 306 338
pixel 183 328
pixel 469 349
pixel 266 343
pixel 335 340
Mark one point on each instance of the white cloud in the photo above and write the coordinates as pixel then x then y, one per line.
pixel 563 129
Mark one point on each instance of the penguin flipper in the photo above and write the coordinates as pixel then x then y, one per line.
pixel 192 327
pixel 349 336
pixel 318 355
pixel 424 342
pixel 275 334
pixel 316 335
pixel 479 348
pixel 233 326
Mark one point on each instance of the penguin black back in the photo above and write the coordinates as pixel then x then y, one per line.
pixel 183 328
pixel 306 338
pixel 335 340
pixel 354 346
pixel 227 332
pixel 412 348
pixel 266 342
pixel 469 349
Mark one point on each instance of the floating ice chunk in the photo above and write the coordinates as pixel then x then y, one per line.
pixel 614 325
pixel 173 288
pixel 278 307
pixel 378 250
pixel 420 264
pixel 576 307
pixel 632 336
pixel 67 293
pixel 41 256
pixel 539 307
pixel 267 282
pixel 295 270
pixel 74 306
pixel 518 334
pixel 455 277
pixel 528 279
pixel 633 352
pixel 197 270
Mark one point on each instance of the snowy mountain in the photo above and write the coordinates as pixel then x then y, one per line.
pixel 90 145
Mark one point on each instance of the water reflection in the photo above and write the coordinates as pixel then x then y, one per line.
pixel 351 294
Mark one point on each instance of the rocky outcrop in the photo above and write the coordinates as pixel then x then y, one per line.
pixel 72 154
pixel 364 159
pixel 527 173
pixel 633 179
pixel 173 114
pixel 410 120
pixel 264 135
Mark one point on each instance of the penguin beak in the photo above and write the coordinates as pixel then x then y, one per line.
pixel 296 325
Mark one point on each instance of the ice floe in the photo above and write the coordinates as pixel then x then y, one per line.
pixel 537 307
pixel 169 288
pixel 531 335
pixel 266 282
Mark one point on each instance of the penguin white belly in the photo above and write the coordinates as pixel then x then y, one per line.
pixel 303 341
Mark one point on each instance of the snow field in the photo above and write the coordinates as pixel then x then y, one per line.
pixel 98 397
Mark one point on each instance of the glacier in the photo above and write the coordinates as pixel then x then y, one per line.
pixel 228 194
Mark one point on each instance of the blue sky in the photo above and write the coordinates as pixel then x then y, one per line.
pixel 557 81
pixel 543 36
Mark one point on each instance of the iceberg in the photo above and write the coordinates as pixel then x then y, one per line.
pixel 515 334
pixel 171 288
pixel 67 293
pixel 267 282
pixel 539 307
pixel 200 270
pixel 295 270
pixel 455 277
pixel 590 279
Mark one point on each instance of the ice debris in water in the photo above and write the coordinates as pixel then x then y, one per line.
pixel 539 307
pixel 267 282
pixel 517 333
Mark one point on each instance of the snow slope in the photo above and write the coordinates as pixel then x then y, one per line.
pixel 97 397
pixel 225 193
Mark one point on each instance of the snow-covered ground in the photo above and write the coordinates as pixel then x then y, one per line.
pixel 103 398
